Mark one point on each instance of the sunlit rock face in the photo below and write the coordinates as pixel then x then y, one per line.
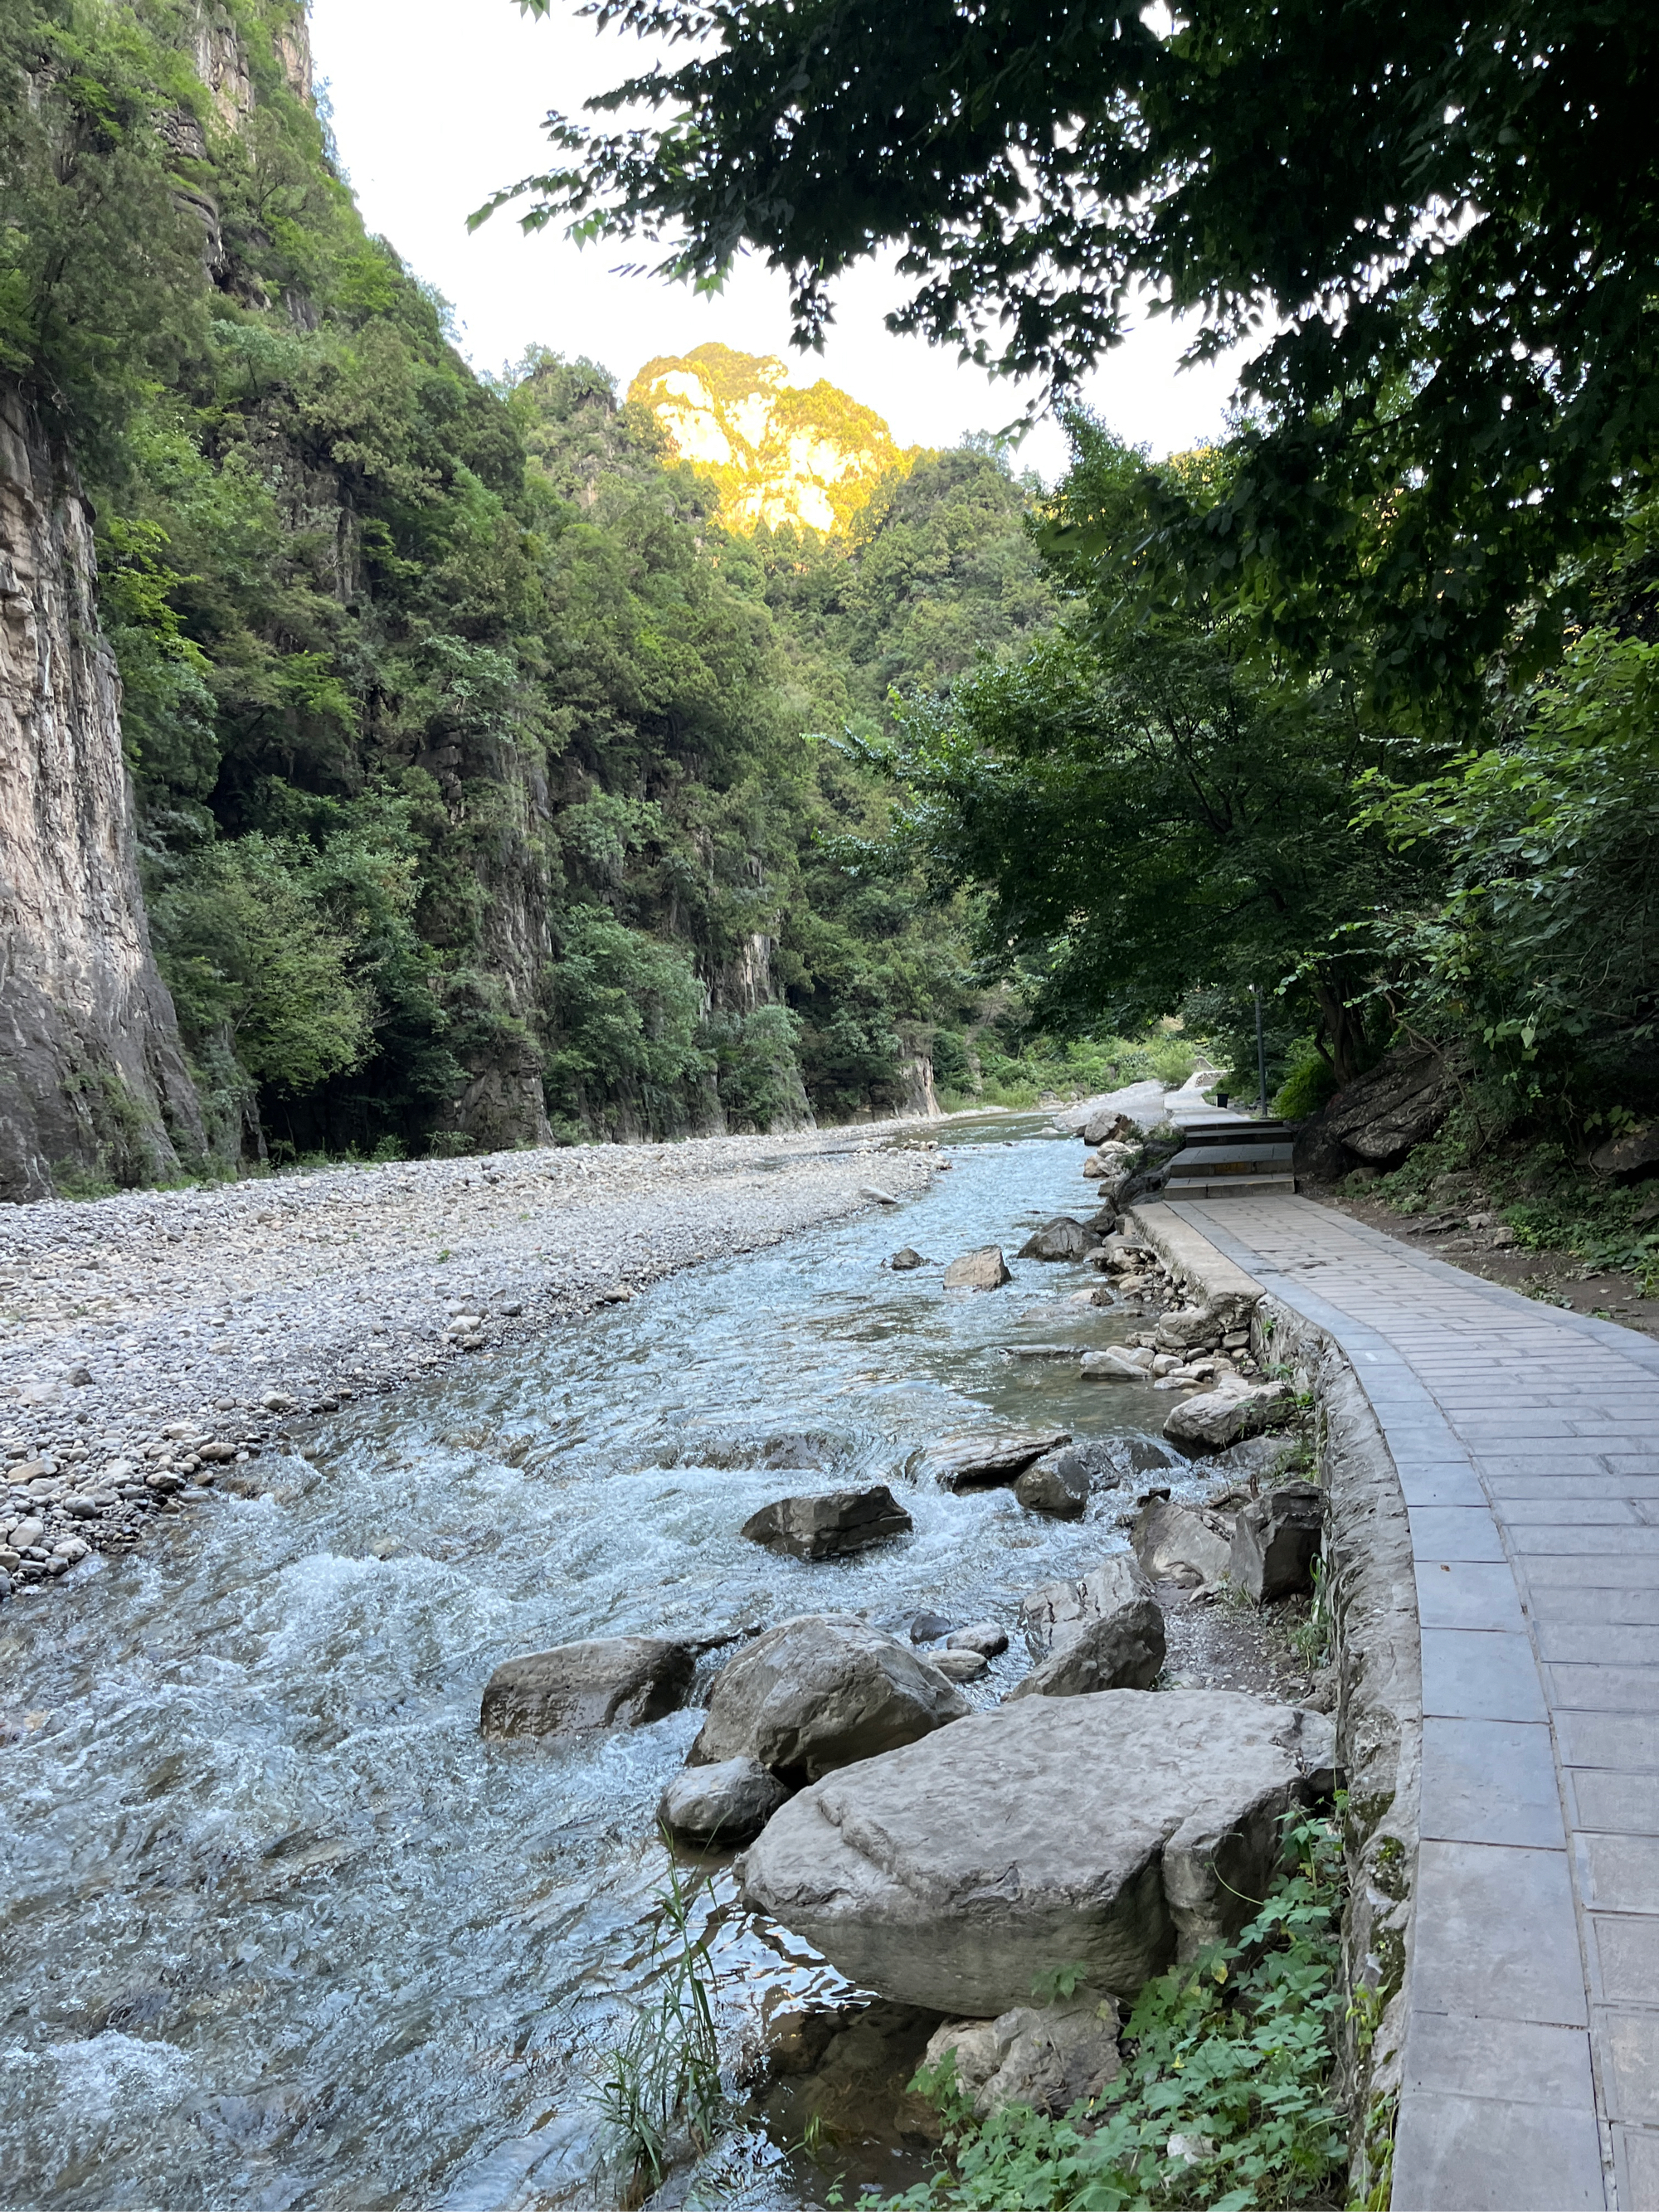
pixel 780 454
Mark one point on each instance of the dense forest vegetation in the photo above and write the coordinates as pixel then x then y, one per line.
pixel 1360 704
pixel 486 783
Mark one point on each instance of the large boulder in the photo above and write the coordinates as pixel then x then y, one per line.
pixel 614 1681
pixel 1379 1117
pixel 729 1803
pixel 979 1459
pixel 1275 1541
pixel 830 1525
pixel 982 1270
pixel 1062 1238
pixel 1056 1484
pixel 1219 1418
pixel 1112 1834
pixel 1182 1543
pixel 1101 1631
pixel 1049 2057
pixel 818 1692
pixel 1628 1157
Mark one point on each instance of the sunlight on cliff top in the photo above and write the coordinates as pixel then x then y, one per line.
pixel 779 453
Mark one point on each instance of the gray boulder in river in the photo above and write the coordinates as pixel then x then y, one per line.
pixel 1219 1418
pixel 830 1525
pixel 1062 1238
pixel 818 1692
pixel 1056 1484
pixel 725 1804
pixel 984 1270
pixel 1115 1833
pixel 614 1681
pixel 971 1459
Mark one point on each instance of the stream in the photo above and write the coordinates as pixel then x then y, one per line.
pixel 276 1929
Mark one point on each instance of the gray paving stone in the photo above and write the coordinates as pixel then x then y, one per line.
pixel 1499 1920
pixel 1626 2041
pixel 1592 1512
pixel 1623 1804
pixel 1593 1570
pixel 1590 1604
pixel 1591 1689
pixel 1440 1484
pixel 1627 1957
pixel 1468 1593
pixel 1488 2154
pixel 1618 1873
pixel 1454 1532
pixel 1491 1781
pixel 1471 1674
pixel 1609 1644
pixel 1627 1741
pixel 1636 2156
pixel 1470 2054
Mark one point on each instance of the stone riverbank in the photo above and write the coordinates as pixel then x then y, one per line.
pixel 154 1343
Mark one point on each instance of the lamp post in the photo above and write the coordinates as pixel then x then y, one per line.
pixel 1260 1054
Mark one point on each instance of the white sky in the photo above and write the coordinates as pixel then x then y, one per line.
pixel 437 103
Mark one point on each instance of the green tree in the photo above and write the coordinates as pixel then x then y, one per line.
pixel 1440 221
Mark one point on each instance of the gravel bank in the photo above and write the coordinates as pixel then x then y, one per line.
pixel 153 1343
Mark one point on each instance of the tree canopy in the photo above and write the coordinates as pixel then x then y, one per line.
pixel 1438 217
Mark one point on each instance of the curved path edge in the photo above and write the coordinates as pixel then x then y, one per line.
pixel 1526 1443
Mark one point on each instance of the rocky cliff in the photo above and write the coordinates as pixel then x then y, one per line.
pixel 91 1075
pixel 780 454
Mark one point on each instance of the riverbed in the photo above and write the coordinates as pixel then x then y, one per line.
pixel 276 1929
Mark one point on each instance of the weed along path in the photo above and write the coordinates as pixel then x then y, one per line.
pixel 279 1926
pixel 1526 1445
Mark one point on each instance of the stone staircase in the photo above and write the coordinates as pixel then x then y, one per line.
pixel 1225 1156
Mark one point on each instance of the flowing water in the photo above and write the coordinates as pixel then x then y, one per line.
pixel 276 1929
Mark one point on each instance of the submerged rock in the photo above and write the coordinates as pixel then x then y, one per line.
pixel 972 1458
pixel 830 1525
pixel 906 1258
pixel 729 1803
pixel 848 2069
pixel 613 1681
pixel 818 1692
pixel 1110 1831
pixel 984 1270
pixel 1047 2056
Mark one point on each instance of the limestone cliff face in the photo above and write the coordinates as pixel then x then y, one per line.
pixel 91 1074
pixel 779 454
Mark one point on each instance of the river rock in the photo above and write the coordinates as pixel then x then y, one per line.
pixel 1106 1125
pixel 984 1270
pixel 1062 1238
pixel 1190 1328
pixel 983 1635
pixel 1056 1484
pixel 613 1681
pixel 1117 1363
pixel 1101 1631
pixel 1222 1417
pixel 818 1692
pixel 1275 1542
pixel 969 1459
pixel 943 1874
pixel 830 1525
pixel 905 1258
pixel 728 1803
pixel 961 1666
pixel 848 2069
pixel 1183 1544
pixel 1049 2058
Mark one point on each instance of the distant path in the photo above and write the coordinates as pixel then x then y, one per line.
pixel 1527 1441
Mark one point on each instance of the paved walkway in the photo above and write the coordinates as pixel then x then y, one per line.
pixel 1527 1441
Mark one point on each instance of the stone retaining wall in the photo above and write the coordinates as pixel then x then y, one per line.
pixel 1370 1587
